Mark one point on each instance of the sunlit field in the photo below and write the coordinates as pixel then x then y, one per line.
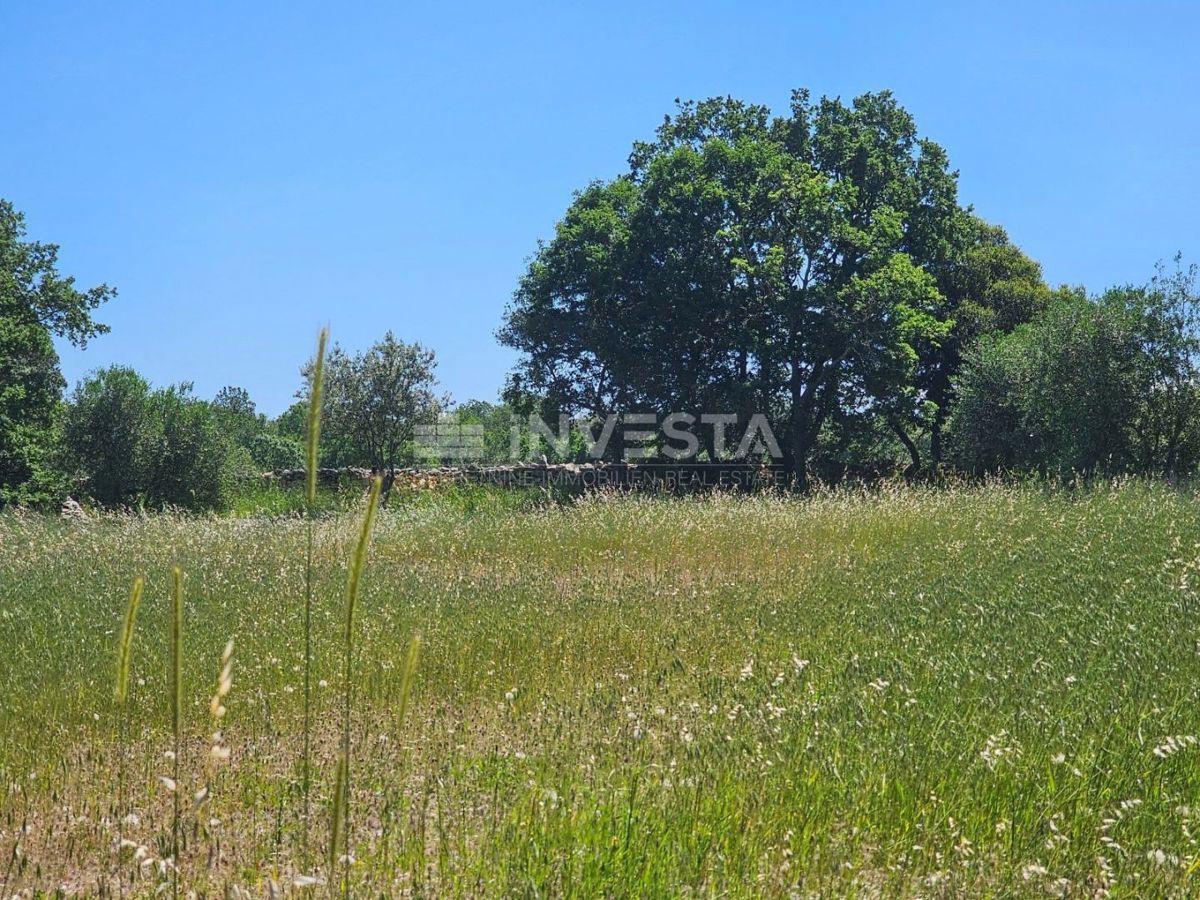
pixel 912 692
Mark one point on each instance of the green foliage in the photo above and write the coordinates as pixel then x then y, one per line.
pixel 255 496
pixel 745 263
pixel 1099 385
pixel 185 455
pixel 497 421
pixel 33 291
pixel 36 302
pixel 107 427
pixel 30 387
pixel 987 286
pixel 236 416
pixel 127 445
pixel 272 451
pixel 292 421
pixel 373 402
pixel 263 445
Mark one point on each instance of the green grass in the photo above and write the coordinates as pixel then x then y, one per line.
pixel 263 498
pixel 915 692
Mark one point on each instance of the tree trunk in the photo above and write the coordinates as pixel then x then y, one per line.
pixel 910 445
pixel 389 479
pixel 935 443
pixel 939 393
pixel 804 421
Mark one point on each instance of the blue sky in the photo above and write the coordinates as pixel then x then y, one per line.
pixel 246 172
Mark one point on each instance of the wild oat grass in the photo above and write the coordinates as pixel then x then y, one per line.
pixel 312 446
pixel 986 691
pixel 121 695
pixel 342 804
pixel 121 690
pixel 176 721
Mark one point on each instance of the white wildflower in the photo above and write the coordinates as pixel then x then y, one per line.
pixel 1029 871
pixel 1174 744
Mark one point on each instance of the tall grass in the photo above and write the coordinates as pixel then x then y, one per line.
pixel 125 648
pixel 406 678
pixel 337 824
pixel 120 695
pixel 926 693
pixel 312 458
pixel 218 751
pixel 342 805
pixel 176 721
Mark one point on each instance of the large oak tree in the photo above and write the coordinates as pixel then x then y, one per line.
pixel 796 265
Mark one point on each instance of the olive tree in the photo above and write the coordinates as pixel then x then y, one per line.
pixel 374 400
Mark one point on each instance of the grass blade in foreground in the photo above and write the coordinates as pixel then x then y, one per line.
pixel 310 496
pixel 339 818
pixel 176 711
pixel 356 567
pixel 121 692
pixel 410 667
pixel 135 600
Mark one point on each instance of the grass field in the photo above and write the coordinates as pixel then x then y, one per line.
pixel 917 692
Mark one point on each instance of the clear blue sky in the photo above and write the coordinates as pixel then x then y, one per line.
pixel 246 172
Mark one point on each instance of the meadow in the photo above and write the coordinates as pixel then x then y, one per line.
pixel 905 692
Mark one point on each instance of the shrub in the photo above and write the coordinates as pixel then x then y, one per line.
pixel 125 444
pixel 1093 385
pixel 106 427
pixel 272 451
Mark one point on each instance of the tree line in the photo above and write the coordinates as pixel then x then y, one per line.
pixel 816 268
pixel 118 441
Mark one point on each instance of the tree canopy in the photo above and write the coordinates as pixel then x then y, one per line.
pixel 374 400
pixel 128 445
pixel 1092 385
pixel 36 304
pixel 800 265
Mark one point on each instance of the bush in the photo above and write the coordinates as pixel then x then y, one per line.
pixel 1091 386
pixel 125 445
pixel 106 428
pixel 184 459
pixel 271 451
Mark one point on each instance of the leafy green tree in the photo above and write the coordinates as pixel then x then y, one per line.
pixel 237 416
pixel 496 421
pixel 186 454
pixel 265 444
pixel 36 303
pixel 292 421
pixel 1101 385
pixel 126 445
pixel 746 263
pixel 106 428
pixel 30 388
pixel 374 400
pixel 1169 423
pixel 986 285
pixel 274 451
